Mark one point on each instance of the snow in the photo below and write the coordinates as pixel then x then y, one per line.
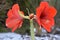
pixel 15 36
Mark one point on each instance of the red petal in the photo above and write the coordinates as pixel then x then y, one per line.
pixel 50 12
pixel 15 10
pixel 17 26
pixel 16 7
pixel 38 21
pixel 20 24
pixel 10 23
pixel 9 14
pixel 45 4
pixel 47 23
pixel 41 8
pixel 14 28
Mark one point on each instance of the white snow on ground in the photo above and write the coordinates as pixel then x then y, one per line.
pixel 15 36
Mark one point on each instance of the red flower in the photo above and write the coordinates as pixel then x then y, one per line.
pixel 45 15
pixel 14 20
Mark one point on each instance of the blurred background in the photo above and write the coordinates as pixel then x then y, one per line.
pixel 5 5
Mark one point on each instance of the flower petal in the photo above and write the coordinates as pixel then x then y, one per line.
pixel 41 8
pixel 16 7
pixel 10 14
pixel 15 10
pixel 38 21
pixel 50 12
pixel 20 24
pixel 47 24
pixel 14 28
pixel 17 26
pixel 10 23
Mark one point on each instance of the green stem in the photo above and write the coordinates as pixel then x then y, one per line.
pixel 20 13
pixel 32 30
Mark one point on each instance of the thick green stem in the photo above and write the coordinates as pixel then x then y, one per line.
pixel 32 30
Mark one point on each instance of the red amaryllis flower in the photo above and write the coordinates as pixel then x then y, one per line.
pixel 45 15
pixel 14 20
